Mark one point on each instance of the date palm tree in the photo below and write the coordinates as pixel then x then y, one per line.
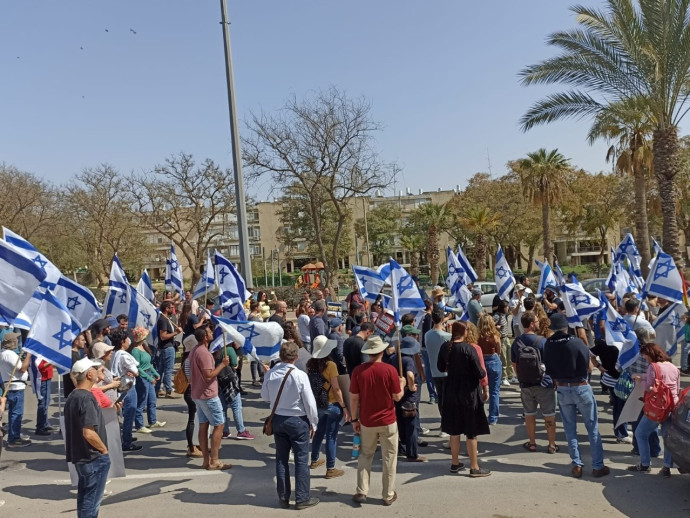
pixel 413 243
pixel 543 179
pixel 480 222
pixel 631 48
pixel 434 218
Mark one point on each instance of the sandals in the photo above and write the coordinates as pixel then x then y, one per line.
pixel 221 466
pixel 553 448
pixel 530 446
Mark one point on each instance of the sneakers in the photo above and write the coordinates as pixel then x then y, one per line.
pixel 244 436
pixel 359 498
pixel 443 435
pixel 432 400
pixel 598 473
pixel 19 443
pixel 172 395
pixel 456 468
pixel 158 424
pixel 624 440
pixel 43 432
pixel 307 504
pixel 665 472
pixel 227 435
pixel 132 447
pixel 389 501
pixel 424 431
pixel 481 472
pixel 513 380
pixel 315 464
pixel 418 458
pixel 639 468
pixel 576 471
pixel 143 429
pixel 505 383
pixel 334 472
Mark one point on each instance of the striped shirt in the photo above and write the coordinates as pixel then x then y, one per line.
pixel 502 324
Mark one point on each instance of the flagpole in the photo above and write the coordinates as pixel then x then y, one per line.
pixel 400 367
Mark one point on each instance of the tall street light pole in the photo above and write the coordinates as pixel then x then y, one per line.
pixel 242 231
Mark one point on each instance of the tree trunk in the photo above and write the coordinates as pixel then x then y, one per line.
pixel 641 224
pixel 414 262
pixel 545 225
pixel 530 261
pixel 480 257
pixel 433 255
pixel 665 168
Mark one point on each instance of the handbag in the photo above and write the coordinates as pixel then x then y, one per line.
pixel 409 409
pixel 624 386
pixel 268 423
pixel 228 384
pixel 180 381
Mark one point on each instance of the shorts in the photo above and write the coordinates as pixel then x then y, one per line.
pixel 210 411
pixel 544 397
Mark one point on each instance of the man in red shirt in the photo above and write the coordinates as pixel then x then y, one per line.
pixel 374 387
pixel 43 427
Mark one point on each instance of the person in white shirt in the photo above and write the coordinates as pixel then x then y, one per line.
pixel 294 424
pixel 14 387
pixel 517 308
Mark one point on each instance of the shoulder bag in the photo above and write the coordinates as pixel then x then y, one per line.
pixel 268 424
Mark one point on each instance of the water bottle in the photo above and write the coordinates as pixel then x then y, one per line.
pixel 356 441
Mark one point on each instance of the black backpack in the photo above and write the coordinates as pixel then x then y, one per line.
pixel 316 380
pixel 530 369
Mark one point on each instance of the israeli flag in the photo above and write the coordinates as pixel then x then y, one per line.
pixel 547 278
pixel 456 273
pixel 20 277
pixel 118 296
pixel 369 282
pixel 558 273
pixel 232 289
pixel 616 281
pixel 406 298
pixel 261 340
pixel 384 272
pixel 79 301
pixel 579 304
pixel 470 274
pixel 173 273
pixel 118 277
pixel 208 279
pixel 664 280
pixel 628 249
pixel 145 286
pixel 461 299
pixel 505 281
pixel 669 327
pixel 23 247
pixel 50 337
pixel 620 334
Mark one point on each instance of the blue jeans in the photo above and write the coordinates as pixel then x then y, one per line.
pixel 129 410
pixel 236 407
pixel 684 351
pixel 166 364
pixel 408 432
pixel 292 432
pixel 146 400
pixel 645 428
pixel 570 400
pixel 92 478
pixel 494 370
pixel 15 414
pixel 329 424
pixel 43 404
pixel 618 404
pixel 652 440
pixel 429 378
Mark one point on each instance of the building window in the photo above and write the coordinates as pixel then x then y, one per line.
pixel 234 250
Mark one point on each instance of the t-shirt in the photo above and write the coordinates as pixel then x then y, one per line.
pixel 566 358
pixel 352 352
pixel 276 318
pixel 200 360
pixel 103 400
pixel 434 340
pixel 375 383
pixel 192 320
pixel 530 339
pixel 164 324
pixel 66 378
pixel 8 359
pixel 330 372
pixel 474 309
pixel 81 411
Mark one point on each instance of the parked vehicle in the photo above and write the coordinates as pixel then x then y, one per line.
pixel 592 285
pixel 678 435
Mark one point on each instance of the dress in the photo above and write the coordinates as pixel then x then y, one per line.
pixel 463 409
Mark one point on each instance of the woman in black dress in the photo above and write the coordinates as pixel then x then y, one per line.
pixel 463 405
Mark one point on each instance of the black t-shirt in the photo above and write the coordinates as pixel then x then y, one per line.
pixel 276 318
pixel 352 352
pixel 67 384
pixel 81 411
pixel 192 320
pixel 566 358
pixel 164 324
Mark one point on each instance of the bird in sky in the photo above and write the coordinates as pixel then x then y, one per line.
pixel 132 31
pixel 107 30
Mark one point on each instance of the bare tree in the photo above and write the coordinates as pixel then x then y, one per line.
pixel 188 204
pixel 323 144
pixel 26 202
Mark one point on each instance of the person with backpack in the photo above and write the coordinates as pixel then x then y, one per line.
pixel 567 362
pixel 330 405
pixel 662 386
pixel 536 387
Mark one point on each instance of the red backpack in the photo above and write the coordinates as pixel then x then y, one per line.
pixel 658 401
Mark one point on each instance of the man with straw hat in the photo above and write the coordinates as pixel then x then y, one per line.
pixel 374 388
pixel 13 372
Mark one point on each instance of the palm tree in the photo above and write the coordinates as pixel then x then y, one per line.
pixel 542 175
pixel 434 218
pixel 630 124
pixel 479 221
pixel 632 48
pixel 413 243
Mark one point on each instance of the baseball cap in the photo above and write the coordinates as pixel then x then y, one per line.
pixel 85 364
pixel 410 330
pixel 558 321
pixel 335 322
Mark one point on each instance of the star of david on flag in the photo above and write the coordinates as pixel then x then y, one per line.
pixel 52 333
pixel 369 282
pixel 620 334
pixel 406 297
pixel 579 304
pixel 173 273
pixel 23 247
pixel 664 280
pixel 547 278
pixel 79 301
pixel 260 340
pixel 669 327
pixel 208 280
pixel 505 281
pixel 627 249
pixel 231 288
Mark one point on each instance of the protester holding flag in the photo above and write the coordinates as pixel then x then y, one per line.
pixel 124 364
pixel 14 373
pixel 167 331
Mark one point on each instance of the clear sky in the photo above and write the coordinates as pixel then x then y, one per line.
pixel 80 88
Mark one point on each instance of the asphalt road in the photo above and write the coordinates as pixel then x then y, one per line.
pixel 162 482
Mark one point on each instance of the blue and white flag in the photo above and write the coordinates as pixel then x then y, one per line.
pixel 231 288
pixel 20 277
pixel 79 301
pixel 35 377
pixel 461 299
pixel 173 273
pixel 52 333
pixel 470 274
pixel 670 328
pixel 617 282
pixel 627 249
pixel 384 272
pixel 117 299
pixel 118 277
pixel 145 286
pixel 406 298
pixel 259 339
pixel 579 304
pixel 664 280
pixel 547 278
pixel 620 334
pixel 208 279
pixel 558 273
pixel 139 310
pixel 456 273
pixel 23 247
pixel 369 282
pixel 505 281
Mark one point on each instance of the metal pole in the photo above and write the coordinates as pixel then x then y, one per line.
pixel 280 270
pixel 245 256
pixel 366 231
pixel 273 271
pixel 263 254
